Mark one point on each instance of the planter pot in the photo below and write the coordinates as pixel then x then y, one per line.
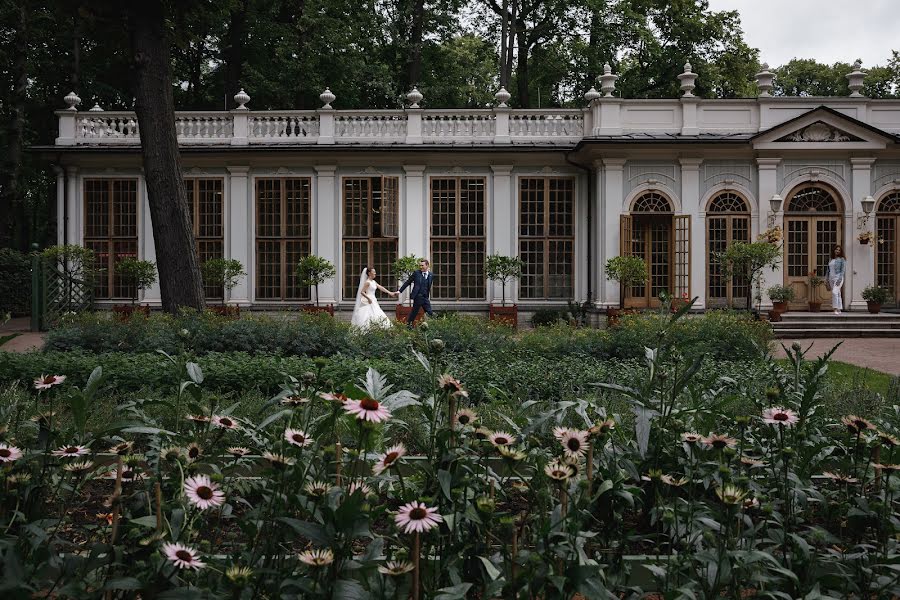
pixel 780 307
pixel 815 306
pixel 774 316
pixel 505 314
pixel 874 307
pixel 229 312
pixel 312 309
pixel 402 313
pixel 123 312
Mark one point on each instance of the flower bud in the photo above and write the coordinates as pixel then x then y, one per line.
pixel 795 347
pixel 320 362
pixel 485 505
pixel 309 377
pixel 772 394
pixel 742 420
pixel 437 345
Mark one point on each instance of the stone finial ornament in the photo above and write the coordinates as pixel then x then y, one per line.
pixel 241 98
pixel 765 81
pixel 72 100
pixel 327 97
pixel 855 80
pixel 607 81
pixel 502 97
pixel 591 95
pixel 687 79
pixel 96 108
pixel 414 97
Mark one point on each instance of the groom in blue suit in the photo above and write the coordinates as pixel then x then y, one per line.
pixel 421 281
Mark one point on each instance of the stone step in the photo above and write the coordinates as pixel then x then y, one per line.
pixel 804 333
pixel 837 323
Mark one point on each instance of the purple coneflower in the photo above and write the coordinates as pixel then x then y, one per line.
pixel 367 409
pixel 777 415
pixel 415 517
pixel 297 437
pixel 71 451
pixel 183 557
pixel 389 458
pixel 203 493
pixel 9 453
pixel 224 422
pixel 45 382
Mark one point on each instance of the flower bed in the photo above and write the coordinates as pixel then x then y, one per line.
pixel 318 499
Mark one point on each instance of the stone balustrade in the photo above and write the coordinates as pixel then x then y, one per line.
pixel 605 116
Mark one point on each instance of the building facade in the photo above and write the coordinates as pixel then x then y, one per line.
pixel 672 181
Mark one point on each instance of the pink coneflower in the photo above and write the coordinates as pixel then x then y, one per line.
pixel 317 558
pixel 279 461
pixel 751 462
pixel 840 477
pixel 364 488
pixel 122 448
pixel 224 422
pixel 574 443
pixel 294 401
pixel 415 517
pixel 777 415
pixel 128 474
pixel 9 453
pixel 502 438
pixel 79 467
pixel 203 493
pixel 183 557
pixel 691 437
pixel 603 427
pixel 317 488
pixel 193 452
pixel 888 440
pixel 466 417
pixel 719 442
pixel 367 409
pixel 71 451
pixel 856 424
pixel 339 398
pixel 238 451
pixel 297 437
pixel 45 382
pixel 451 385
pixel 389 458
pixel 199 419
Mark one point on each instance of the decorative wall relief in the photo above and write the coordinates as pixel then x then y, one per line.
pixel 819 132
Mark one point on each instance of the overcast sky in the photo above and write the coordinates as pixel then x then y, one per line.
pixel 826 30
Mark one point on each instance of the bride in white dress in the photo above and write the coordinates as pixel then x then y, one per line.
pixel 367 313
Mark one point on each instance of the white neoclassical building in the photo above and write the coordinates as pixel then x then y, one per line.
pixel 670 180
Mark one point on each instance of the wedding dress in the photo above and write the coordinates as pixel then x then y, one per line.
pixel 367 315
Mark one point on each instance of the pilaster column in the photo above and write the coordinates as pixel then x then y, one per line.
pixel 613 196
pixel 860 258
pixel 146 242
pixel 768 187
pixel 690 205
pixel 60 204
pixel 73 225
pixel 240 233
pixel 503 225
pixel 414 239
pixel 326 237
pixel 599 232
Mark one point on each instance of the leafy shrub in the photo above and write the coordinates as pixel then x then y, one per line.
pixel 876 294
pixel 15 282
pixel 543 317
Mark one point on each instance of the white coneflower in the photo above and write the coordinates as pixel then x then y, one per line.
pixel 364 488
pixel 183 557
pixel 317 488
pixel 45 382
pixel 224 422
pixel 279 461
pixel 466 417
pixel 78 467
pixel 691 437
pixel 389 458
pixel 294 401
pixel 559 471
pixel 395 568
pixel 198 419
pixel 574 443
pixel 71 451
pixel 415 517
pixel 193 452
pixel 238 451
pixel 297 437
pixel 317 558
pixel 502 438
pixel 203 493
pixel 122 448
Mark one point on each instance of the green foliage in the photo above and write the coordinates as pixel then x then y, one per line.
pixel 628 271
pixel 313 270
pixel 749 260
pixel 15 282
pixel 807 77
pixel 781 293
pixel 139 273
pixel 77 262
pixel 544 317
pixel 876 294
pixel 403 268
pixel 503 268
pixel 223 272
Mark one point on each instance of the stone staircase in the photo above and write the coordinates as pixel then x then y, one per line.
pixel 805 325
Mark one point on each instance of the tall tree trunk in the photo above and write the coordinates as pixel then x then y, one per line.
pixel 176 254
pixel 510 42
pixel 13 220
pixel 522 65
pixel 414 65
pixel 234 52
pixel 504 27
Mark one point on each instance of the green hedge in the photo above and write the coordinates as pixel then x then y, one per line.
pixel 15 282
pixel 719 334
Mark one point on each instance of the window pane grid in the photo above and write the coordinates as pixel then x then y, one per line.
pixel 111 232
pixel 371 206
pixel 205 198
pixel 457 245
pixel 282 236
pixel 546 231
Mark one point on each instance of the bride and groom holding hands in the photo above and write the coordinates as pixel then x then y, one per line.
pixel 367 312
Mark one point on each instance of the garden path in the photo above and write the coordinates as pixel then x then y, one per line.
pixel 878 354
pixel 25 340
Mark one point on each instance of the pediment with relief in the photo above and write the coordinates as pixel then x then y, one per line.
pixel 819 132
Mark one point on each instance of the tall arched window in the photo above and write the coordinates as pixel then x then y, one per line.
pixel 727 221
pixel 887 250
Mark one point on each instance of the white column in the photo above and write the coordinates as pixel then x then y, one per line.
pixel 415 213
pixel 75 234
pixel 240 233
pixel 146 243
pixel 503 225
pixel 860 258
pixel 325 234
pixel 768 187
pixel 60 204
pixel 599 233
pixel 613 196
pixel 690 205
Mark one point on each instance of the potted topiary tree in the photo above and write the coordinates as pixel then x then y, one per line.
pixel 875 296
pixel 224 273
pixel 815 282
pixel 139 273
pixel 780 295
pixel 628 271
pixel 503 268
pixel 749 260
pixel 402 269
pixel 311 271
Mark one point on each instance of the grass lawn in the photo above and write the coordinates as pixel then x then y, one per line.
pixel 876 381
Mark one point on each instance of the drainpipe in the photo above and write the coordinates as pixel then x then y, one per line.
pixel 590 221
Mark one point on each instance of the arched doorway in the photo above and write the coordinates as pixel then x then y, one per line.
pixel 654 233
pixel 727 221
pixel 887 249
pixel 813 227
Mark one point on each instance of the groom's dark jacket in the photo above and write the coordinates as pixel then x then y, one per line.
pixel 421 286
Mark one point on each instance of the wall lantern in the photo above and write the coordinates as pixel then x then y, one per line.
pixel 775 203
pixel 868 204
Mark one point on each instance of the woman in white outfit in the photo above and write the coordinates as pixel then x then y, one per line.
pixel 367 313
pixel 836 268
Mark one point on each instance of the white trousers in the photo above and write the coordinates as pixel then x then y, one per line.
pixel 837 303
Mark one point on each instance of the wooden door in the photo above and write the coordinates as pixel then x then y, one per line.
pixel 887 255
pixel 721 232
pixel 651 239
pixel 808 247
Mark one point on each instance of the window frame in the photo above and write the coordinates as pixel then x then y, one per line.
pixel 192 188
pixel 546 236
pixel 457 239
pixel 350 279
pixel 112 283
pixel 286 275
